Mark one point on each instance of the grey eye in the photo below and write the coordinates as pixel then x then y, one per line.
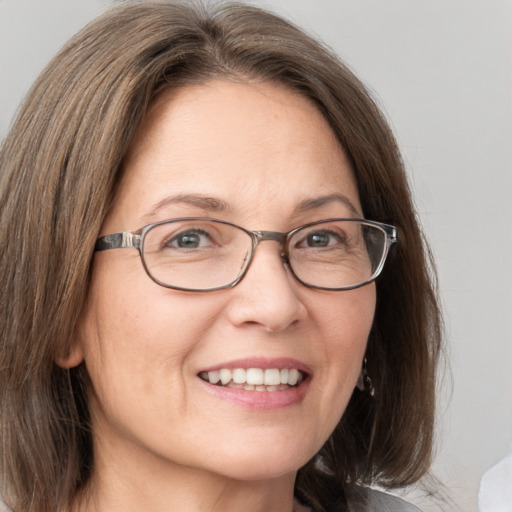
pixel 320 239
pixel 191 239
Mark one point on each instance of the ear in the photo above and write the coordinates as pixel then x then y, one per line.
pixel 73 356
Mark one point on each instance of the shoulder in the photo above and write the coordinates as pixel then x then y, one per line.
pixel 361 499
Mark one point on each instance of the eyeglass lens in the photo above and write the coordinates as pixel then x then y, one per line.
pixel 203 254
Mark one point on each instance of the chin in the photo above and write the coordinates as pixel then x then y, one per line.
pixel 269 462
pixel 249 472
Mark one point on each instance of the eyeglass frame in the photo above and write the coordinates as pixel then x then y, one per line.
pixel 135 239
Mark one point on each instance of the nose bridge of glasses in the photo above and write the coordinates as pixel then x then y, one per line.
pixel 272 236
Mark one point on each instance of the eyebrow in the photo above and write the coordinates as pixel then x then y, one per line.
pixel 216 205
pixel 206 203
pixel 317 202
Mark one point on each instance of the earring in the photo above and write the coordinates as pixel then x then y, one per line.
pixel 364 383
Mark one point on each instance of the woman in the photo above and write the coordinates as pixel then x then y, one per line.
pixel 195 206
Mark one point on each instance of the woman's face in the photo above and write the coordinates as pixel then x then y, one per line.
pixel 263 158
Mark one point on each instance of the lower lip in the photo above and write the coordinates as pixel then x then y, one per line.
pixel 260 399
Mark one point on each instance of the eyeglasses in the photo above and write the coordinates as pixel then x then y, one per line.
pixel 202 254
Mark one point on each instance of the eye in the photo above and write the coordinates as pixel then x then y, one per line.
pixel 190 239
pixel 320 239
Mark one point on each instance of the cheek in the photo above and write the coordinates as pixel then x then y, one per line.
pixel 344 324
pixel 346 320
pixel 136 352
pixel 131 338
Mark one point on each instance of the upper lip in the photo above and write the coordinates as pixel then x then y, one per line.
pixel 259 362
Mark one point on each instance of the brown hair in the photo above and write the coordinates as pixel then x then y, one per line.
pixel 59 167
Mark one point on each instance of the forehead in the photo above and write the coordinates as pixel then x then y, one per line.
pixel 257 146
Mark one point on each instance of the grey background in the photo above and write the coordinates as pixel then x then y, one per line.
pixel 441 70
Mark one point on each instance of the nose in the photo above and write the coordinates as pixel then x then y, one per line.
pixel 268 296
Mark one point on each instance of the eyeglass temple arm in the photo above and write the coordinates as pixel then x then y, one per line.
pixel 117 241
pixel 392 234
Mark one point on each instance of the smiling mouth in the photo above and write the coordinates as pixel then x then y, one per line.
pixel 255 379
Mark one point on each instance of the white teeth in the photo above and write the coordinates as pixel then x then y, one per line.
pixel 225 376
pixel 239 376
pixel 255 376
pixel 272 377
pixel 255 379
pixel 214 377
pixel 293 376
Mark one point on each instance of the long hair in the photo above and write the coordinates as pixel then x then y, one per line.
pixel 59 167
